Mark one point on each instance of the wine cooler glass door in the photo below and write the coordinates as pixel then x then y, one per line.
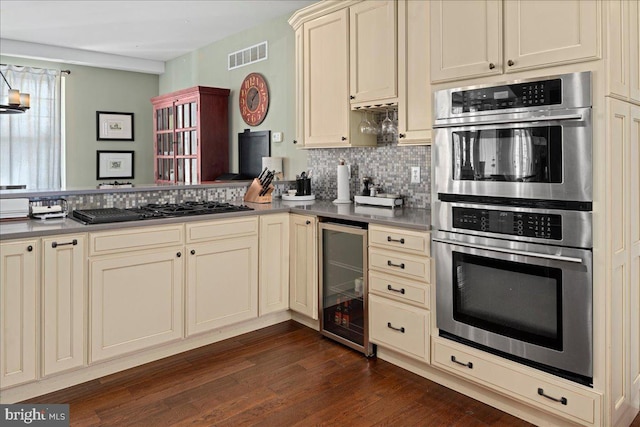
pixel 343 261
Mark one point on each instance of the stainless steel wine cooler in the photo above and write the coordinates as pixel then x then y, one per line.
pixel 343 284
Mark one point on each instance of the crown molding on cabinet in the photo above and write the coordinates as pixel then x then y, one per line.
pixel 317 10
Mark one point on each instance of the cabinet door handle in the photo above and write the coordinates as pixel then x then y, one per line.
pixel 400 329
pixel 392 289
pixel 510 63
pixel 295 141
pixel 401 135
pixel 307 222
pixel 390 239
pixel 468 364
pixel 390 264
pixel 344 138
pixel 562 400
pixel 193 251
pixel 56 244
pixel 29 248
pixel 352 97
pixel 492 65
pixel 179 254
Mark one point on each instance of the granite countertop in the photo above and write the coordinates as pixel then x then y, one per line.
pixel 411 218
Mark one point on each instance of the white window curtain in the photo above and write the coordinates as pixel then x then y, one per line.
pixel 30 143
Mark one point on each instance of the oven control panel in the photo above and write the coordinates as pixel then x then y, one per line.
pixel 518 95
pixel 541 226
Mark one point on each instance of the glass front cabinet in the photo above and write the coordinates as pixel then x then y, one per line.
pixel 191 135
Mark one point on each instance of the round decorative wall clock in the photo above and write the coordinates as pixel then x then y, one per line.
pixel 254 99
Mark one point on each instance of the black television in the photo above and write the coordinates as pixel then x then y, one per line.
pixel 252 147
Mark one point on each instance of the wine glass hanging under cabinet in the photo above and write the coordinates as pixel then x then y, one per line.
pixel 191 135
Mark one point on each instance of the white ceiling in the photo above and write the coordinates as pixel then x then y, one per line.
pixel 148 30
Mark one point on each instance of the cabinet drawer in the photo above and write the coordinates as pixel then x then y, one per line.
pixel 414 242
pixel 399 289
pixel 222 229
pixel 135 239
pixel 411 267
pixel 400 327
pixel 579 405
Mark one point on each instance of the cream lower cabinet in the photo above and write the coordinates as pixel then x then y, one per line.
pixel 414 88
pixel 222 273
pixel 623 255
pixel 18 312
pixel 136 280
pixel 274 263
pixel 303 265
pixel 575 403
pixel 63 302
pixel 474 39
pixel 399 291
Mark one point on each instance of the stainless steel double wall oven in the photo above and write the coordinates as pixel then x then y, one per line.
pixel 513 221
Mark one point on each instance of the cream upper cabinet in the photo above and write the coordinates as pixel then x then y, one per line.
pixel 414 100
pixel 135 289
pixel 623 49
pixel 303 266
pixel 19 274
pixel 274 263
pixel 466 39
pixel 63 302
pixel 373 52
pixel 487 37
pixel 328 120
pixel 326 85
pixel 222 273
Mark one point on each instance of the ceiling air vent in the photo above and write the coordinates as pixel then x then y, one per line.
pixel 248 55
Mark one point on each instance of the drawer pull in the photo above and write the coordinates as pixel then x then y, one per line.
pixel 562 400
pixel 389 239
pixel 56 244
pixel 391 288
pixel 390 264
pixel 468 364
pixel 400 329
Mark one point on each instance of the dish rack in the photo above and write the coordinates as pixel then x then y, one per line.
pixel 48 208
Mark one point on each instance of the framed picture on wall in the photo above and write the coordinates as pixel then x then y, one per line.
pixel 114 164
pixel 111 126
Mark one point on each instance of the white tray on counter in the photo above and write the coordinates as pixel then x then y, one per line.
pixel 391 202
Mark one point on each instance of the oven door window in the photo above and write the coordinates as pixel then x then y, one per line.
pixel 521 301
pixel 525 154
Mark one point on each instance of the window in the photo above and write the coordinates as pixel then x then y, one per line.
pixel 31 143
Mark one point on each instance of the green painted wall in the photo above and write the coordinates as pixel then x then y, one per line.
pixel 88 90
pixel 208 67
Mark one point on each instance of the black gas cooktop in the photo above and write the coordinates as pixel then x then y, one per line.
pixel 154 210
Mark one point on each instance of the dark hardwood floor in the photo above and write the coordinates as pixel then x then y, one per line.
pixel 283 375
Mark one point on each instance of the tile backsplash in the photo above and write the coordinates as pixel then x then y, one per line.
pixel 388 164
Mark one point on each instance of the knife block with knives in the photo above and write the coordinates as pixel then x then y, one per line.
pixel 260 189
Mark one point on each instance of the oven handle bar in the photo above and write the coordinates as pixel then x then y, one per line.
pixel 510 251
pixel 501 120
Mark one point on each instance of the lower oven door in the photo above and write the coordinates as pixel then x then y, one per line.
pixel 528 302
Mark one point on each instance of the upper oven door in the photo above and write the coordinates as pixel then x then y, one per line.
pixel 546 156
